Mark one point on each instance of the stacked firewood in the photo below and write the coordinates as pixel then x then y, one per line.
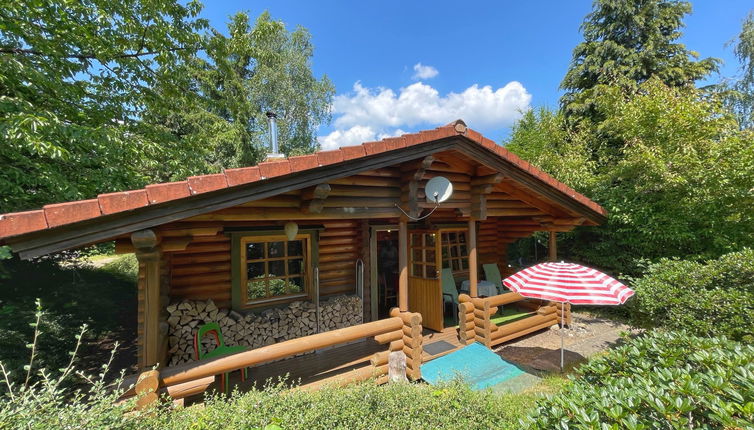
pixel 254 329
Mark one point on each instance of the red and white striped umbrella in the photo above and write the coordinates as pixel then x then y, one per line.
pixel 568 283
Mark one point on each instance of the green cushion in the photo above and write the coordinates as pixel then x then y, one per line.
pixel 449 286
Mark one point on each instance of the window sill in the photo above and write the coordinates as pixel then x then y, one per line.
pixel 275 301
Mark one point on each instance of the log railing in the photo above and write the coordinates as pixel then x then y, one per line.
pixel 402 332
pixel 475 318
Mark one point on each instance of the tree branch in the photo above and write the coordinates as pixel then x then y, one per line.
pixel 21 51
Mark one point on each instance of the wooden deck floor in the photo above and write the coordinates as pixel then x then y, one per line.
pixel 327 365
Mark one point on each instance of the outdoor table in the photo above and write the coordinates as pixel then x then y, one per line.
pixel 484 288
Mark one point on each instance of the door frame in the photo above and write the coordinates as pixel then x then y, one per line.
pixel 374 294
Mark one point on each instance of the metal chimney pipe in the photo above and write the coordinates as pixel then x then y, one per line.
pixel 272 118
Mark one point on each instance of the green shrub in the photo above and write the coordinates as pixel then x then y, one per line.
pixel 661 380
pixel 707 299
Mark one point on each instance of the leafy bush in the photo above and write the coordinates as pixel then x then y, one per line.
pixel 707 299
pixel 661 380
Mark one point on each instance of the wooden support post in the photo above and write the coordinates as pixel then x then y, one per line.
pixel 473 266
pixel 148 254
pixel 403 266
pixel 552 247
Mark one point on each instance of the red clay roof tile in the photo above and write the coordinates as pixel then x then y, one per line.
pixel 158 193
pixel 351 152
pixel 22 222
pixel 206 183
pixel 242 175
pixel 303 162
pixel 329 157
pixel 66 213
pixel 123 201
pixel 374 147
pixel 392 143
pixel 271 169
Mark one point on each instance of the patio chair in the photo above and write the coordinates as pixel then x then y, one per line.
pixel 492 274
pixel 450 292
pixel 220 351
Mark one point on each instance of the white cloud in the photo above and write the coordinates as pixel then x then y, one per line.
pixel 355 135
pixel 366 114
pixel 424 72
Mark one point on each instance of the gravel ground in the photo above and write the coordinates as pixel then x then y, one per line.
pixel 586 336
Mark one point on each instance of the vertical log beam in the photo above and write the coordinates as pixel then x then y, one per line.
pixel 552 247
pixel 481 187
pixel 410 189
pixel 473 264
pixel 149 255
pixel 403 266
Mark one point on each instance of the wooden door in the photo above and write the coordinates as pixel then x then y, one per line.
pixel 424 288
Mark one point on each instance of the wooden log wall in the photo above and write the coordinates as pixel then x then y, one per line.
pixel 492 247
pixel 340 245
pixel 203 270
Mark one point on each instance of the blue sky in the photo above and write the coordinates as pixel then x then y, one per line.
pixel 483 61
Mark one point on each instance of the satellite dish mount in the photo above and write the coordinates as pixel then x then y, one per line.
pixel 437 190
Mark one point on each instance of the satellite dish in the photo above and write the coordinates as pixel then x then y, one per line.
pixel 438 189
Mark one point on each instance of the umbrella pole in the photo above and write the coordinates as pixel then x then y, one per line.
pixel 562 332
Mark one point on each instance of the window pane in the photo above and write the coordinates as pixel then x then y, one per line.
pixel 296 248
pixel 275 249
pixel 431 272
pixel 462 237
pixel 455 265
pixel 255 251
pixel 277 287
pixel 296 266
pixel 454 251
pixel 451 237
pixel 464 252
pixel 431 256
pixel 416 254
pixel 430 239
pixel 277 268
pixel 416 270
pixel 255 270
pixel 256 289
pixel 295 285
pixel 465 264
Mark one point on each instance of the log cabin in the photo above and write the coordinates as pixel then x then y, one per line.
pixel 304 253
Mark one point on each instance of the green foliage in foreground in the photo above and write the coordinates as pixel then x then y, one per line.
pixel 360 406
pixel 658 381
pixel 707 299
